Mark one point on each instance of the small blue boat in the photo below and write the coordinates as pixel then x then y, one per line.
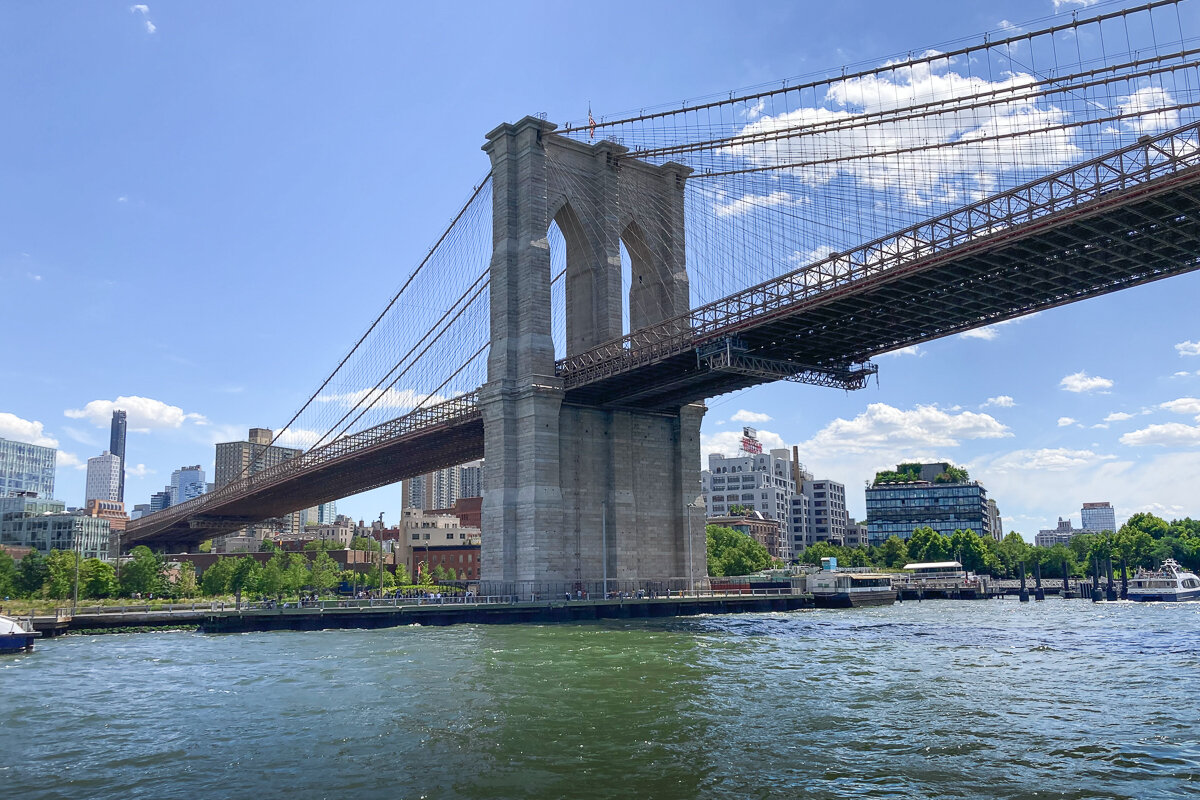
pixel 16 636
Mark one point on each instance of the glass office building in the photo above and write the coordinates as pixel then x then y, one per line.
pixel 26 469
pixel 897 509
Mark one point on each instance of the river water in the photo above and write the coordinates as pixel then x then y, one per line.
pixel 945 699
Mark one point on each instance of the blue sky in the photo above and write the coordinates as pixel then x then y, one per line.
pixel 203 204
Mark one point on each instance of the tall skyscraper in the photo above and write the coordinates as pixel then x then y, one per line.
pixel 103 478
pixel 116 446
pixel 1098 517
pixel 26 468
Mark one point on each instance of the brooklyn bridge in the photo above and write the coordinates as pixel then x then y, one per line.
pixel 607 276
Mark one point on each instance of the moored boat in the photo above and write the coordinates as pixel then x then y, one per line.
pixel 16 635
pixel 1168 584
pixel 849 588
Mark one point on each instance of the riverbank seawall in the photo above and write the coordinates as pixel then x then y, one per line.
pixel 430 612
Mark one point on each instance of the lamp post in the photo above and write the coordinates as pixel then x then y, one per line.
pixel 78 548
pixel 697 503
pixel 380 538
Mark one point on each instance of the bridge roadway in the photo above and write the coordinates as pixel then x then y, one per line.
pixel 1124 219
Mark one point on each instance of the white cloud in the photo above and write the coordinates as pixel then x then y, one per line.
pixel 122 199
pixel 911 350
pixel 298 437
pixel 1118 416
pixel 33 276
pixel 727 443
pixel 144 413
pixel 1182 405
pixel 749 202
pixel 66 459
pixel 24 430
pixel 1188 348
pixel 819 253
pixel 140 8
pixel 1059 458
pixel 150 27
pixel 1065 421
pixel 984 142
pixel 385 398
pixel 903 434
pixel 1144 101
pixel 987 332
pixel 1082 382
pixel 1182 374
pixel 139 471
pixel 1081 3
pixel 750 416
pixel 1171 434
pixel 1002 401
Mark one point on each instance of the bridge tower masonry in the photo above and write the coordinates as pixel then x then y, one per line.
pixel 561 479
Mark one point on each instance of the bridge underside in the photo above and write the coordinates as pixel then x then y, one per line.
pixel 433 448
pixel 1095 248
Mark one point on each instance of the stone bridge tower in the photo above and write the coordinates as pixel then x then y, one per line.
pixel 572 492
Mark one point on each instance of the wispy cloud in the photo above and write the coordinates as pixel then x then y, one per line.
pixel 1064 422
pixel 1001 401
pixel 911 350
pixel 144 10
pixel 750 416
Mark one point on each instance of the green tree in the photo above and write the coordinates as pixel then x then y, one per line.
pixel 1154 527
pixel 324 572
pixel 733 553
pixel 893 553
pixel 1134 545
pixel 402 576
pixel 244 577
pixel 215 580
pixel 424 576
pixel 61 580
pixel 143 573
pixel 98 579
pixel 10 576
pixel 33 573
pixel 185 584
pixel 927 545
pixel 270 581
pixel 968 548
pixel 363 543
pixel 1011 553
pixel 205 546
pixel 268 546
pixel 297 575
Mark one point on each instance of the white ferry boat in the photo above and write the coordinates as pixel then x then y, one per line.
pixel 849 588
pixel 1169 583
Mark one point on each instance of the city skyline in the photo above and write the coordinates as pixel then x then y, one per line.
pixel 179 216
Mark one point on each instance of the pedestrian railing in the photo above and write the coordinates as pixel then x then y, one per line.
pixel 379 603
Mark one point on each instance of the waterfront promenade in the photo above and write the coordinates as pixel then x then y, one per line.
pixel 218 617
